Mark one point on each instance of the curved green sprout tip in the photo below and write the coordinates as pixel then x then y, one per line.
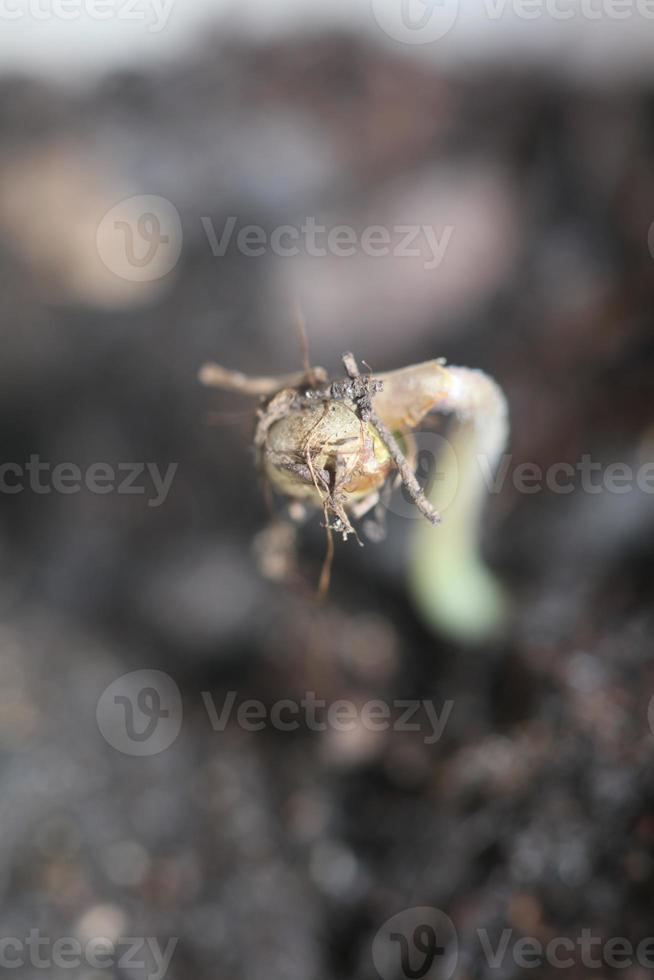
pixel 452 587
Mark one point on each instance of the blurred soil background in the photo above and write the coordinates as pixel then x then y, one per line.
pixel 273 855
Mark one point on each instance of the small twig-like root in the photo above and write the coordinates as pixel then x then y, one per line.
pixel 350 365
pixel 406 473
pixel 215 376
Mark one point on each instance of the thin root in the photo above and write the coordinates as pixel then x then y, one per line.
pixel 216 376
pixel 406 473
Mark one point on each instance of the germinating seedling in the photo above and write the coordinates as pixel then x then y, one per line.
pixel 341 444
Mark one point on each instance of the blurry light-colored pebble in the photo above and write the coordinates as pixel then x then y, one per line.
pixel 353 747
pixel 52 204
pixel 106 921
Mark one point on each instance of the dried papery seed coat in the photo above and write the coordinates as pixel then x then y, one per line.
pixel 336 440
